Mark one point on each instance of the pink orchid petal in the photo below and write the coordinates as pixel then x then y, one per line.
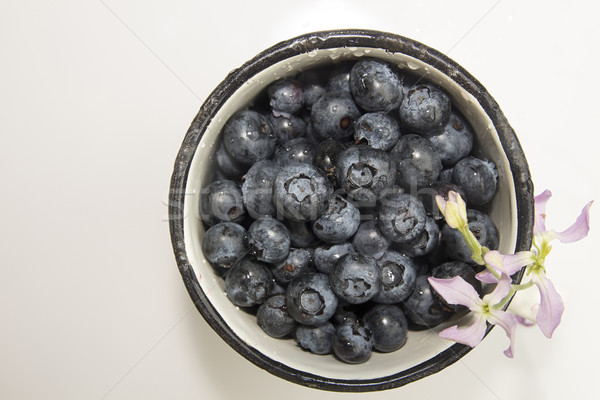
pixel 540 200
pixel 470 335
pixel 508 322
pixel 551 305
pixel 456 291
pixel 486 276
pixel 500 291
pixel 578 230
pixel 524 321
pixel 502 263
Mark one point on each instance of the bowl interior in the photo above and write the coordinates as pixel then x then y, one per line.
pixel 421 346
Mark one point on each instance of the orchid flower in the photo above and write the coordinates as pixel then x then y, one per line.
pixel 551 305
pixel 488 309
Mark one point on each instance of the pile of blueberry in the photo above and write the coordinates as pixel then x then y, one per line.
pixel 321 216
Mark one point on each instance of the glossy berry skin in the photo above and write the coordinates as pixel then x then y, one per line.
pixel 363 172
pixel 477 178
pixel 224 244
pixel 299 150
pixel 248 137
pixel 316 339
pixel 248 283
pixel 425 243
pixel 301 234
pixel 417 163
pixel 402 216
pixel 375 85
pixel 455 140
pixel 398 278
pixel 422 307
pixel 353 342
pixel 326 256
pixel 338 223
pixel 226 164
pixel 273 318
pixel 222 201
pixel 288 128
pixel 451 269
pixel 286 96
pixel 310 300
pixel 298 261
pixel 326 155
pixel 339 78
pixel 356 278
pixel 483 229
pixel 388 326
pixel 345 313
pixel 333 116
pixel 378 130
pixel 313 85
pixel 269 240
pixel 425 109
pixel 369 240
pixel 257 189
pixel 301 192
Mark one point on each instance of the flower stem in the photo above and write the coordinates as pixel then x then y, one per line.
pixel 523 286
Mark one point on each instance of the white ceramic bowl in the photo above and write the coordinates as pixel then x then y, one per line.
pixel 424 353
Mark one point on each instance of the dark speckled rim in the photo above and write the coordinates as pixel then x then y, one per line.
pixel 303 44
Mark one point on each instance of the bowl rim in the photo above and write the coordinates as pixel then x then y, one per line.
pixel 306 43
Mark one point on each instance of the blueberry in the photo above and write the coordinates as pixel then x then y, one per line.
pixel 451 269
pixel 398 278
pixel 417 162
pixel 226 164
pixel 339 78
pixel 316 339
pixel 257 189
pixel 222 201
pixel 334 115
pixel 248 283
pixel 425 109
pixel 425 243
pixel 273 318
pixel 352 342
pixel 224 244
pixel 477 178
pixel 301 234
pixel 356 278
pixel 378 130
pixel 310 300
pixel 338 223
pixel 369 240
pixel 313 83
pixel 298 261
pixel 327 256
pixel 345 313
pixel 326 155
pixel 296 150
pixel 388 325
pixel 376 85
pixel 483 229
pixel 288 128
pixel 248 137
pixel 455 141
pixel 422 307
pixel 286 96
pixel 269 240
pixel 402 216
pixel 301 192
pixel 445 175
pixel 363 172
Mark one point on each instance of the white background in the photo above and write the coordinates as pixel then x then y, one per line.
pixel 95 99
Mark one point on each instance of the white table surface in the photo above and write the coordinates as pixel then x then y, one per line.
pixel 95 99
